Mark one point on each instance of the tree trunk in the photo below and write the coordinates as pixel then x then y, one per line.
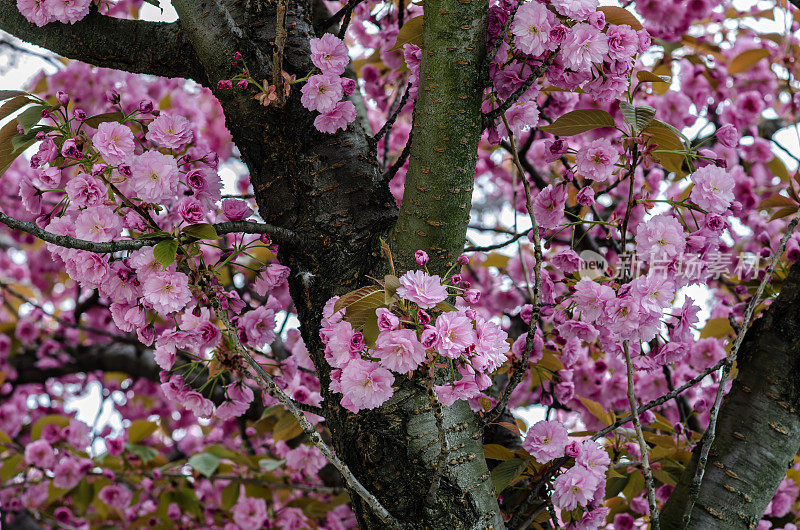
pixel 758 431
pixel 330 191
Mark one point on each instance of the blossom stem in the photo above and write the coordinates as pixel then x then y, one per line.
pixel 272 388
pixel 648 474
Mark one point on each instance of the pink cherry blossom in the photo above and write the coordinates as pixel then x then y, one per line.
pixel 114 141
pixel 236 209
pixel 116 496
pixel 336 118
pixel 584 46
pixel 548 206
pixel 546 440
pixel 172 131
pixel 661 236
pixel 250 513
pixel 167 291
pixel 424 290
pixel 98 223
pixel 85 190
pixel 596 160
pixel 365 385
pixel 574 488
pixel 36 11
pixel 321 92
pixel 329 54
pixel 258 326
pixel 69 11
pixel 155 176
pixel 455 334
pixel 713 189
pixel 531 26
pixel 399 350
pixel 40 453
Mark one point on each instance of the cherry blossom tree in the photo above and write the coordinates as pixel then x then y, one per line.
pixel 313 256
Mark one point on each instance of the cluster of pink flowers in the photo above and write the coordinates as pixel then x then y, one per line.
pixel 41 12
pixel 584 483
pixel 583 44
pixel 323 92
pixel 408 339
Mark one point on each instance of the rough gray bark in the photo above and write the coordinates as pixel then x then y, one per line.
pixel 758 431
pixel 156 48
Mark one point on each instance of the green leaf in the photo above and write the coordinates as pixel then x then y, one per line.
pixel 619 16
pixel 82 496
pixel 410 33
pixel 646 76
pixel 141 429
pixel 144 453
pixel 746 60
pixel 4 438
pixel 10 467
pixel 666 139
pixel 230 495
pixel 165 251
pixel 579 121
pixel 186 498
pixel 270 464
pixel 637 117
pixel 287 428
pixel 201 231
pixel 13 105
pixel 506 472
pixel 204 463
pixel 36 430
pixel 95 121
pixel 30 117
pixel 360 304
pixel 497 452
pixel 8 94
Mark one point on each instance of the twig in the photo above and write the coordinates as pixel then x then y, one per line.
pixel 648 474
pixel 504 106
pixel 336 17
pixel 393 117
pixel 496 245
pixel 281 235
pixel 708 437
pixel 519 374
pixel 392 171
pixel 277 55
pixel 441 461
pixel 502 36
pixel 275 391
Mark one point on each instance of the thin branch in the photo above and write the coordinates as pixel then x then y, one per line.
pixel 519 374
pixel 489 118
pixel 708 437
pixel 393 117
pixel 158 48
pixel 281 235
pixel 277 55
pixel 502 36
pixel 275 391
pixel 648 473
pixel 336 17
pixel 392 171
pixel 496 245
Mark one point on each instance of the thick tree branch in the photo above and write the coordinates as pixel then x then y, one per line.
pixel 280 235
pixel 157 48
pixel 758 430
